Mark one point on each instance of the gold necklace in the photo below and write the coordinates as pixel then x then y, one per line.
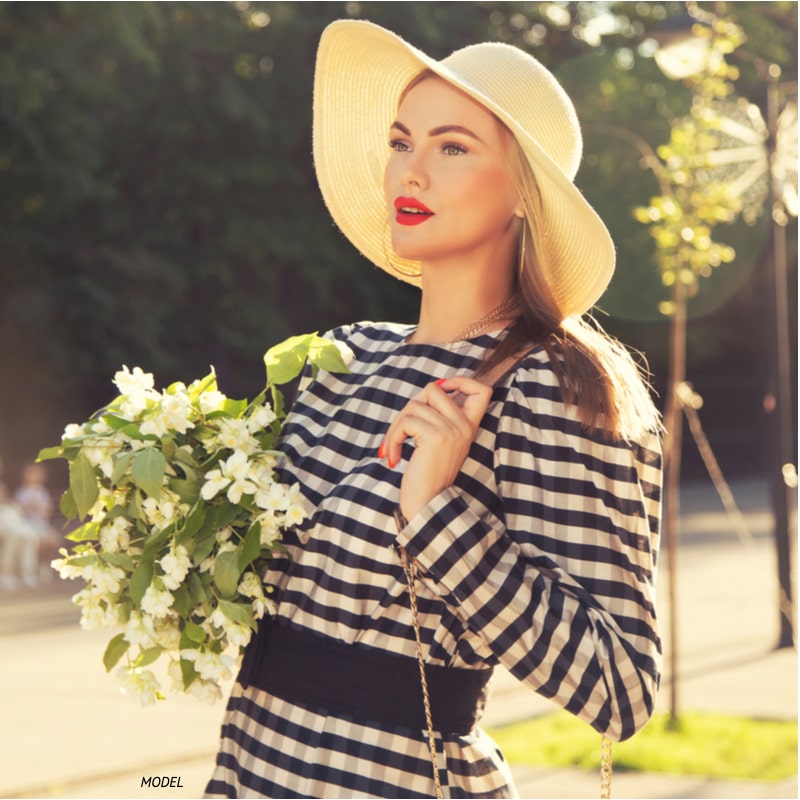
pixel 484 322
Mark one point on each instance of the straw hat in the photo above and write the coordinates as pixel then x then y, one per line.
pixel 361 71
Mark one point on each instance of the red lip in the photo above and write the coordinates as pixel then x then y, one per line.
pixel 411 211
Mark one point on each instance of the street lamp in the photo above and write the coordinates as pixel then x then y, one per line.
pixel 681 54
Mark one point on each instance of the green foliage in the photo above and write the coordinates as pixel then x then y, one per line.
pixel 159 200
pixel 693 202
pixel 711 745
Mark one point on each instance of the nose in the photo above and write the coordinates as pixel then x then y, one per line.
pixel 414 173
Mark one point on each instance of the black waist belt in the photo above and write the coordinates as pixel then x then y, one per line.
pixel 367 684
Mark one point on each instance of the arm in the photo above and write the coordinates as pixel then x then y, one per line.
pixel 558 580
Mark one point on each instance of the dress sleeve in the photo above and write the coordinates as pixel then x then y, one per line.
pixel 558 578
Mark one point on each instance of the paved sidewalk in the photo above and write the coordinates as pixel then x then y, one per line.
pixel 65 731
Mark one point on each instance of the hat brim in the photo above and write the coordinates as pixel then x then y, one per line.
pixel 361 70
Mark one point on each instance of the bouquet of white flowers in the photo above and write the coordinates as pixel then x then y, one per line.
pixel 182 510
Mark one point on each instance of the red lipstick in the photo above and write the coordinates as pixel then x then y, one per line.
pixel 410 211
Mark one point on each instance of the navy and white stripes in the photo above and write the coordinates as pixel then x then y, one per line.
pixel 540 557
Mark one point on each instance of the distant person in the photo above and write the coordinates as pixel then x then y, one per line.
pixel 25 525
pixel 503 450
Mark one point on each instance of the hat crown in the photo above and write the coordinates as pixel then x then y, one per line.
pixel 521 88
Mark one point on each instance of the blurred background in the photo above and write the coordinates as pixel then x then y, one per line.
pixel 159 208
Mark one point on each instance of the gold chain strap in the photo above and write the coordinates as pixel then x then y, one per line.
pixel 410 567
pixel 605 769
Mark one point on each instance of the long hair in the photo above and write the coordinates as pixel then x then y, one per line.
pixel 596 373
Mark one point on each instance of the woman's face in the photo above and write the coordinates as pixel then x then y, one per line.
pixel 447 186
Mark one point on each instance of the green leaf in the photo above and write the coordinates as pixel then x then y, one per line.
pixel 148 471
pixel 193 523
pixel 48 453
pixel 67 506
pixel 182 601
pixel 140 580
pixel 284 361
pixel 89 531
pixel 148 656
pixel 153 542
pixel 234 408
pixel 121 463
pixel 250 548
pixel 187 490
pixel 121 560
pixel 227 572
pixel 115 649
pixel 198 589
pixel 238 612
pixel 204 544
pixel 83 484
pixel 325 355
pixel 188 672
pixel 194 633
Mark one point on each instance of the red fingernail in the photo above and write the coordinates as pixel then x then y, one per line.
pixel 441 381
pixel 382 450
pixel 392 464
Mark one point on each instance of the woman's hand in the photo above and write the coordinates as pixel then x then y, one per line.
pixel 442 420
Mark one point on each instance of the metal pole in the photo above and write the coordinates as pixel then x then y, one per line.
pixel 674 425
pixel 782 447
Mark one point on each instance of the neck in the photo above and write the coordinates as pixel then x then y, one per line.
pixel 452 304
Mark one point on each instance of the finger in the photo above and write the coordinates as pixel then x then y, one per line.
pixel 474 396
pixel 420 418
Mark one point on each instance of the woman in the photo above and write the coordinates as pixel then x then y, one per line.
pixel 503 448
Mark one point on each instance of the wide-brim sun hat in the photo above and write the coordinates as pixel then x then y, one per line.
pixel 361 71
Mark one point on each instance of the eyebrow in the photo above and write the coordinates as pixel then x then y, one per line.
pixel 440 130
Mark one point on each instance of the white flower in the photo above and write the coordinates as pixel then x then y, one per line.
pixel 162 512
pixel 72 431
pixel 211 400
pixel 233 473
pixel 270 529
pixel 264 605
pixel 172 413
pixel 140 630
pixel 271 497
pixel 250 585
pixel 157 603
pixel 176 564
pixel 96 612
pixel 210 666
pixel 63 567
pixel 215 483
pixel 101 452
pixel 140 683
pixel 104 578
pixel 224 534
pixel 114 537
pixel 176 675
pixel 136 390
pixel 168 634
pixel 234 434
pixel 261 418
pixel 238 635
pixel 132 382
pixel 207 691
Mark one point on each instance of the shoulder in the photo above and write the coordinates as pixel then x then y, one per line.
pixel 368 334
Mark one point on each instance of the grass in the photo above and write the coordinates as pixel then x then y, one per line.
pixel 710 745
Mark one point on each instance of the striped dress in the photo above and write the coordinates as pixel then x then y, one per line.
pixel 540 557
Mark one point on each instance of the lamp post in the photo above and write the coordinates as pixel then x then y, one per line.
pixel 682 54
